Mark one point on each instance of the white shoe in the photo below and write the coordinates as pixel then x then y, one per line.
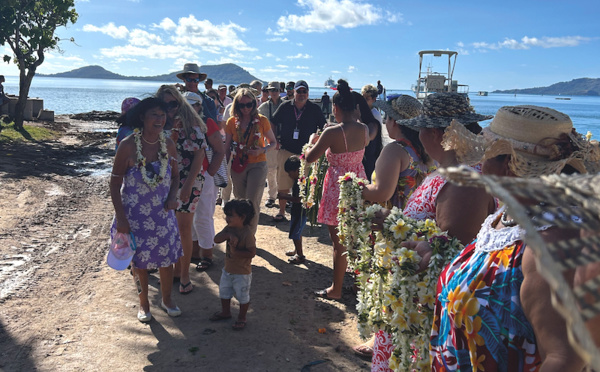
pixel 171 311
pixel 144 317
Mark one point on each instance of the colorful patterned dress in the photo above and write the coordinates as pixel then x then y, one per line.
pixel 186 146
pixel 409 179
pixel 154 228
pixel 339 164
pixel 479 323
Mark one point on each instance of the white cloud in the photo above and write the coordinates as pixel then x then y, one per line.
pixel 531 42
pixel 299 44
pixel 143 38
pixel 282 39
pixel 351 68
pixel 55 62
pixel 336 72
pixel 162 52
pixel 221 60
pixel 209 37
pixel 299 55
pixel 326 15
pixel 166 24
pixel 302 67
pixel 271 32
pixel 282 66
pixel 116 32
pixel 269 55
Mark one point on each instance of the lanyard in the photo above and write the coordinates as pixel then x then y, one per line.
pixel 298 115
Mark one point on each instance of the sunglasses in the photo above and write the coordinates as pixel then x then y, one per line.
pixel 246 105
pixel 190 80
pixel 302 91
pixel 172 105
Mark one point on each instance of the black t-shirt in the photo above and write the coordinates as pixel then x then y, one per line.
pixel 310 120
pixel 296 207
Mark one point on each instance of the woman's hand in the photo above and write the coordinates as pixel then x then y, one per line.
pixel 233 241
pixel 379 218
pixel 186 192
pixel 313 138
pixel 423 249
pixel 171 203
pixel 123 226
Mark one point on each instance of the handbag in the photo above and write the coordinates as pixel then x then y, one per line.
pixel 121 251
pixel 239 163
pixel 220 178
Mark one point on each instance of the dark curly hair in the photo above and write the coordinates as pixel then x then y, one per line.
pixel 344 98
pixel 241 207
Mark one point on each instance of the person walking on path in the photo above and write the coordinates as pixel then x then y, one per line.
pixel 191 77
pixel 296 120
pixel 325 105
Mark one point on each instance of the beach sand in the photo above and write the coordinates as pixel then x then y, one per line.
pixel 63 309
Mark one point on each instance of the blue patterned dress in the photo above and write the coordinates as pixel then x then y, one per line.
pixel 155 229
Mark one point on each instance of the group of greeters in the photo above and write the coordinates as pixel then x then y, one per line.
pixel 163 191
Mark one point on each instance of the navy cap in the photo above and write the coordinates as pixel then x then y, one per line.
pixel 301 84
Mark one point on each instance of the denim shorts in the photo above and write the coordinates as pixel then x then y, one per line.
pixel 297 223
pixel 235 284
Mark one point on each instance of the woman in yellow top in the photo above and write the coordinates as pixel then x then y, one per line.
pixel 245 134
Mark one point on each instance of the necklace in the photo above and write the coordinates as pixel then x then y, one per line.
pixel 506 222
pixel 150 143
pixel 156 179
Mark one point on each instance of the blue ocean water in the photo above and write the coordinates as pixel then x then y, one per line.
pixel 69 96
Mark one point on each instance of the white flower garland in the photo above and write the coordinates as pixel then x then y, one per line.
pixel 311 183
pixel 393 297
pixel 141 160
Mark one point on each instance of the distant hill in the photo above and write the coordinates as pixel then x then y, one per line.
pixel 576 87
pixel 227 73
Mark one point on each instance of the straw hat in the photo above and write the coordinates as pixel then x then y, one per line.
pixel 439 109
pixel 191 68
pixel 400 107
pixel 540 141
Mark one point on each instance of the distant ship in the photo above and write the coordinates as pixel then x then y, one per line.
pixel 330 83
pixel 430 82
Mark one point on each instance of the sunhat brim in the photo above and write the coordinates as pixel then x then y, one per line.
pixel 424 121
pixel 388 109
pixel 181 74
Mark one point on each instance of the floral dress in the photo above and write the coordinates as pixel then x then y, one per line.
pixel 409 179
pixel 339 164
pixel 186 146
pixel 479 323
pixel 154 228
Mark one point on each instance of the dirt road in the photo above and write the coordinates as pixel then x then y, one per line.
pixel 63 309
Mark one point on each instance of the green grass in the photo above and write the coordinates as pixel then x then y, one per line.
pixel 27 134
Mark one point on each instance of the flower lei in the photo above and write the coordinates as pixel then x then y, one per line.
pixel 243 147
pixel 311 184
pixel 393 297
pixel 141 160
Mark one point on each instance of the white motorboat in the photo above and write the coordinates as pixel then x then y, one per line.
pixel 330 83
pixel 482 93
pixel 431 81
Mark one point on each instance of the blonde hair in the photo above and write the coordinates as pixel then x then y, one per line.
pixel 243 92
pixel 188 116
pixel 369 89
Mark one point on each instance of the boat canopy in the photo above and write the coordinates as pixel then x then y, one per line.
pixel 438 53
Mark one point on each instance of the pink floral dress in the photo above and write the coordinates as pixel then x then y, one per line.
pixel 421 204
pixel 339 164
pixel 186 146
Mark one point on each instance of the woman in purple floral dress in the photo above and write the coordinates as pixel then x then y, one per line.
pixel 143 188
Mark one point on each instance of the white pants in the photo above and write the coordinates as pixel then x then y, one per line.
pixel 204 226
pixel 272 173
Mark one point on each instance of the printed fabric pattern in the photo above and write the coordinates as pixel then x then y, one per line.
pixel 186 146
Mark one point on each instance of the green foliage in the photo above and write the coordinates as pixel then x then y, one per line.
pixel 29 133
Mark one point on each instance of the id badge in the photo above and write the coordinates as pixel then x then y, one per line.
pixel 296 134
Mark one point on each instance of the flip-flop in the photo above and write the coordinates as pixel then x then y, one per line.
pixel 279 218
pixel 183 290
pixel 363 351
pixel 291 252
pixel 296 260
pixel 323 294
pixel 218 316
pixel 239 325
pixel 205 264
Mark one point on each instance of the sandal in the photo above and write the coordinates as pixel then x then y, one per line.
pixel 270 203
pixel 296 259
pixel 291 252
pixel 218 316
pixel 205 264
pixel 183 288
pixel 239 325
pixel 323 294
pixel 279 218
pixel 363 351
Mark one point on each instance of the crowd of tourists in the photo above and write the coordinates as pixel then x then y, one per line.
pixel 184 151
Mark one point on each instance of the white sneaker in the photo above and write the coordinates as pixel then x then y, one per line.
pixel 171 311
pixel 144 317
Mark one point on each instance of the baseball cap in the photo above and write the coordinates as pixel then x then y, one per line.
pixel 301 84
pixel 122 249
pixel 192 97
pixel 222 86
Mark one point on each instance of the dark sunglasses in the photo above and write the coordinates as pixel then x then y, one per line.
pixel 246 105
pixel 172 105
pixel 302 91
pixel 190 80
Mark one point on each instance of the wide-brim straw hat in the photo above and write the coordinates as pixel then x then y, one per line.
pixel 400 107
pixel 540 140
pixel 439 109
pixel 191 68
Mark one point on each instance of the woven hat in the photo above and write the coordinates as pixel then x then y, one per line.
pixel 439 109
pixel 191 68
pixel 540 140
pixel 400 107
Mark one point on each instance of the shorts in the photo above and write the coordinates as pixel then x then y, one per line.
pixel 297 223
pixel 235 284
pixel 284 181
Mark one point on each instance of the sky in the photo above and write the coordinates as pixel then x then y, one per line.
pixel 500 44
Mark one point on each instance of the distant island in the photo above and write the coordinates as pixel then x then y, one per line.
pixel 576 87
pixel 227 73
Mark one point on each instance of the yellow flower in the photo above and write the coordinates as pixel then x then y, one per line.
pixel 400 229
pixel 588 136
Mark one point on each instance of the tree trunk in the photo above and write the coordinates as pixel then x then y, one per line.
pixel 24 85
